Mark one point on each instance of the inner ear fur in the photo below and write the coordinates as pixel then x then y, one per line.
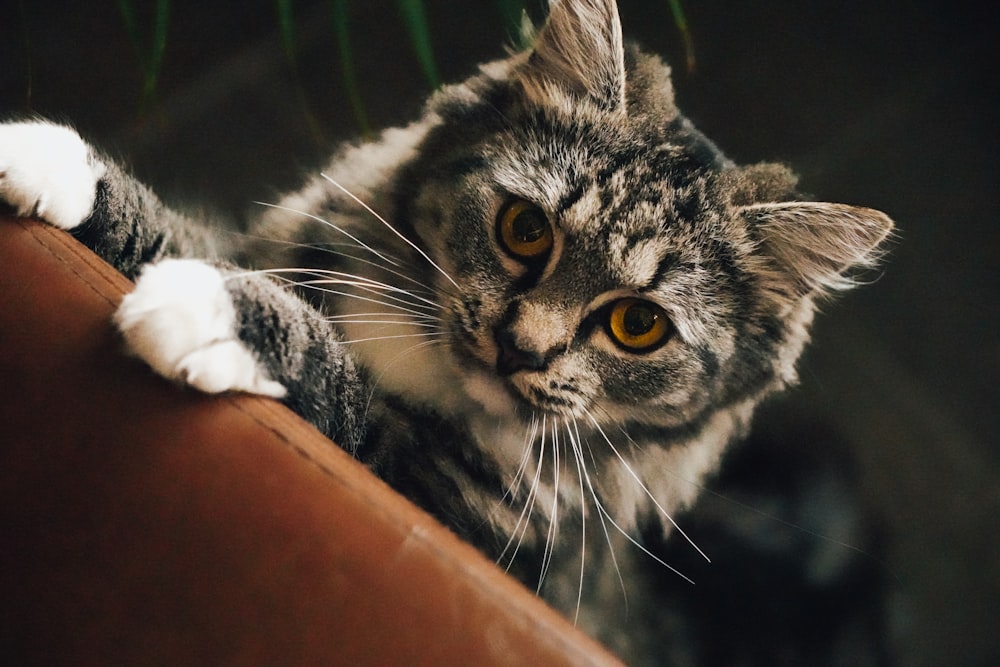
pixel 817 247
pixel 579 51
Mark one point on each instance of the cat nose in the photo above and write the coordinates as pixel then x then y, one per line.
pixel 511 358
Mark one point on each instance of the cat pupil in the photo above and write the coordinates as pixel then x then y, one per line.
pixel 529 227
pixel 639 320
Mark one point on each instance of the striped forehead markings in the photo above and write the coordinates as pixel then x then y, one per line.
pixel 572 197
pixel 640 263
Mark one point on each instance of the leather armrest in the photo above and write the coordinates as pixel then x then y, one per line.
pixel 146 523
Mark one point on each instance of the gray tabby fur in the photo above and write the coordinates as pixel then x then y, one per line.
pixel 552 469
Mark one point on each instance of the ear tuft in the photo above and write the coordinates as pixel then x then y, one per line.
pixel 579 51
pixel 818 247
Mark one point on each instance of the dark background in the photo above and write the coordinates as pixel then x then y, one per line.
pixel 886 104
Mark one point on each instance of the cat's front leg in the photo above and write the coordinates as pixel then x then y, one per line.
pixel 220 329
pixel 48 171
pixel 180 319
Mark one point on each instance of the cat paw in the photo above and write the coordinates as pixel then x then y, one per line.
pixel 181 321
pixel 47 171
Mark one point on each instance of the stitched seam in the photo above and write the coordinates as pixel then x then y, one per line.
pixel 111 291
pixel 401 527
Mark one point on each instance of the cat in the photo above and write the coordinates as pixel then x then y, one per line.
pixel 542 311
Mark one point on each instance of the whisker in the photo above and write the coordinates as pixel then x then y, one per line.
pixel 391 228
pixel 603 512
pixel 415 317
pixel 529 503
pixel 395 304
pixel 392 337
pixel 583 517
pixel 746 507
pixel 329 224
pixel 404 353
pixel 386 300
pixel 330 277
pixel 523 521
pixel 370 285
pixel 636 543
pixel 399 274
pixel 327 247
pixel 643 486
pixel 553 529
pixel 578 447
pixel 523 464
pixel 348 319
pixel 330 248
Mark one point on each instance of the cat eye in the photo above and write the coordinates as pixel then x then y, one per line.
pixel 524 231
pixel 638 325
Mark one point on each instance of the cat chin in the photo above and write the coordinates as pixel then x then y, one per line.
pixel 490 393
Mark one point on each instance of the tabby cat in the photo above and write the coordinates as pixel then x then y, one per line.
pixel 541 311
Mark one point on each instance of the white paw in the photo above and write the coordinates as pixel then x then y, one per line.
pixel 181 321
pixel 47 171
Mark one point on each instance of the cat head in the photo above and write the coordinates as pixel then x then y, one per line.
pixel 609 260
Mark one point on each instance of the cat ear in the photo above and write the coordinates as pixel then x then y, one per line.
pixel 818 247
pixel 579 50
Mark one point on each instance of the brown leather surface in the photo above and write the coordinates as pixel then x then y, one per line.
pixel 143 523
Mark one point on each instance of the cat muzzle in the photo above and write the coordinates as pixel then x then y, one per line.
pixel 511 358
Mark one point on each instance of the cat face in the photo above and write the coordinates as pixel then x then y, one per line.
pixel 609 261
pixel 590 282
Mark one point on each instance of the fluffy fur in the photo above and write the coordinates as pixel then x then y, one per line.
pixel 495 388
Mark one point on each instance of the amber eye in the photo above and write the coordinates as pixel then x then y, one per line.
pixel 638 325
pixel 524 231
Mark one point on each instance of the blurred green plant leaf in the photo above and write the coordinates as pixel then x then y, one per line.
pixel 286 26
pixel 415 17
pixel 512 12
pixel 150 51
pixel 342 35
pixel 682 26
pixel 151 60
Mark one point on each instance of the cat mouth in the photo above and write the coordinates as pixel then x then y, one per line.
pixel 522 395
pixel 536 396
pixel 510 386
